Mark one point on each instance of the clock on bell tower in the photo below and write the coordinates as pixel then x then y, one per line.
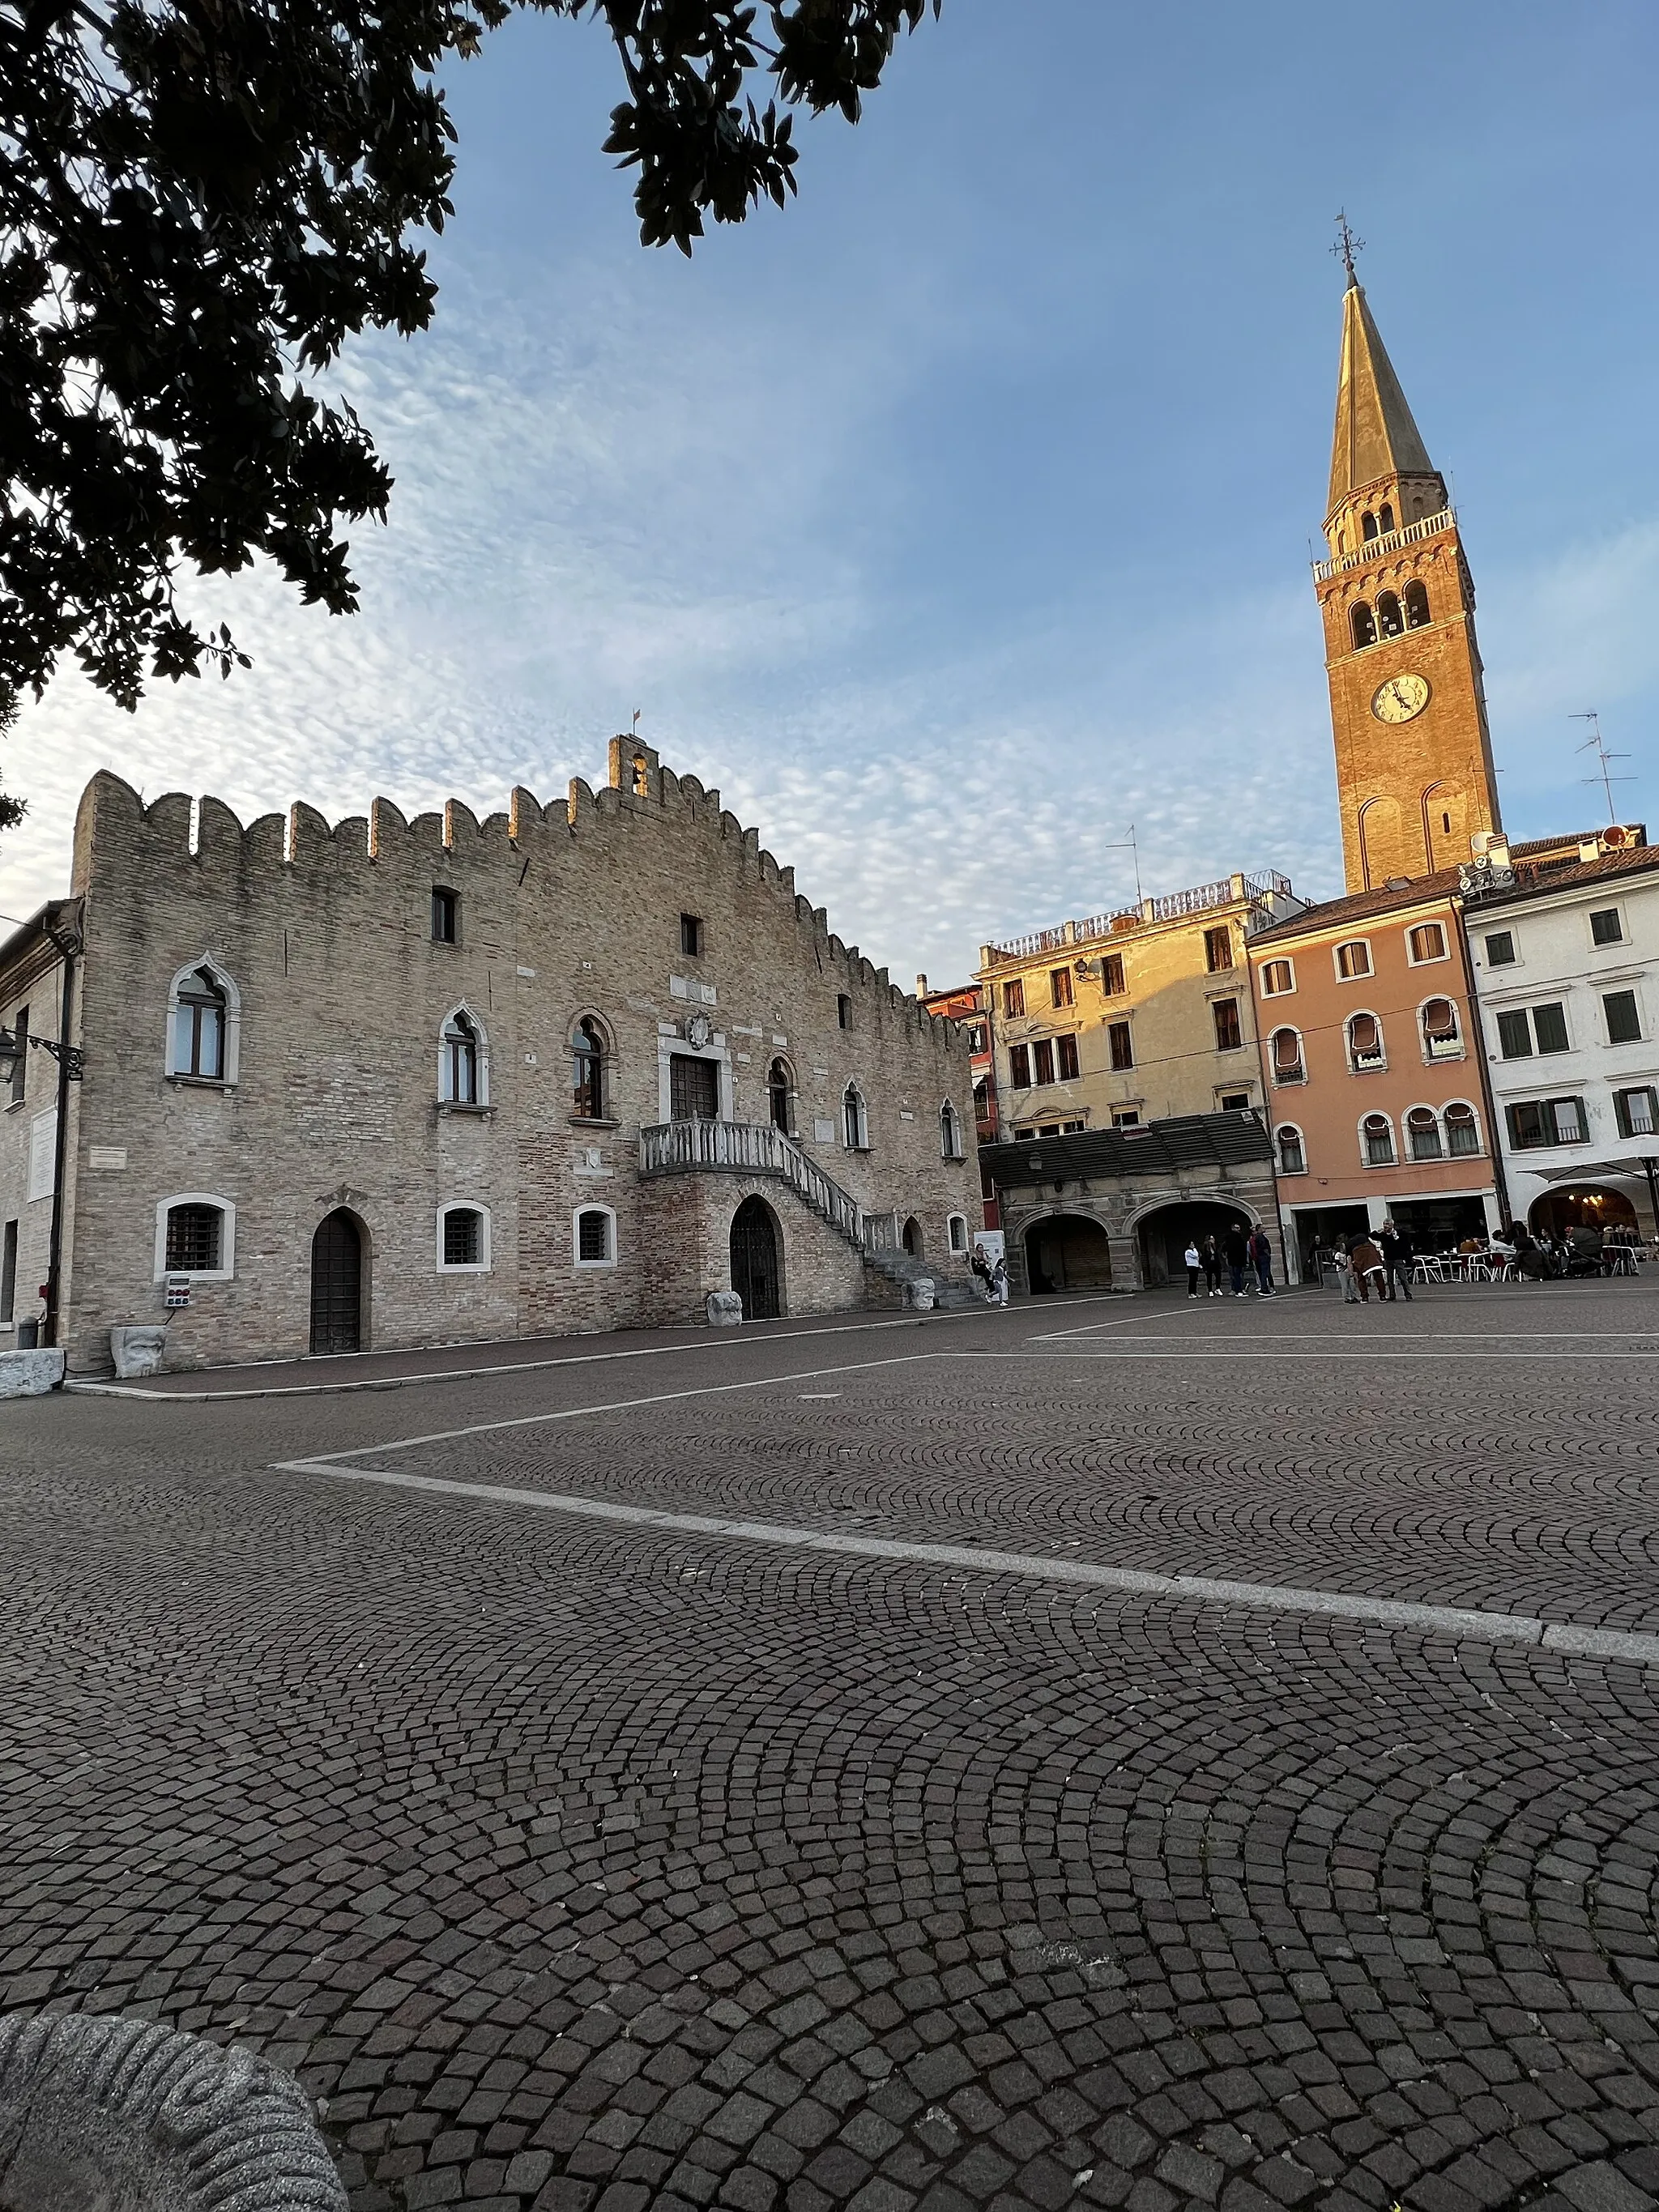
pixel 1413 755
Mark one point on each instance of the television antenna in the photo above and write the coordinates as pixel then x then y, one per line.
pixel 1596 742
pixel 1129 845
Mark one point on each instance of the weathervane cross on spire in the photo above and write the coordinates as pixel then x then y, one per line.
pixel 1346 246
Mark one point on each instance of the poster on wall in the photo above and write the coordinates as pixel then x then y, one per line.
pixel 990 1241
pixel 43 1151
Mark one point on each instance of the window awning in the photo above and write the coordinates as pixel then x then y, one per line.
pixel 1630 1168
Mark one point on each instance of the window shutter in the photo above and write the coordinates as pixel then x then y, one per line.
pixel 1440 1018
pixel 1287 1051
pixel 1363 1034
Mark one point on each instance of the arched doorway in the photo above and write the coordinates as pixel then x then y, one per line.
pixel 1558 1212
pixel 337 1283
pixel 756 1273
pixel 911 1237
pixel 1165 1233
pixel 1068 1252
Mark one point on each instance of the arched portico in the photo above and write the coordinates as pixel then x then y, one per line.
pixel 1068 1252
pixel 1574 1205
pixel 1162 1233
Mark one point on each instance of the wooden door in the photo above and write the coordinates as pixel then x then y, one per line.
pixel 336 1284
pixel 694 1088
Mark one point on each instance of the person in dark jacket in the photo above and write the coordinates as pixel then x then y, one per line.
pixel 1238 1256
pixel 1213 1267
pixel 1397 1257
pixel 1367 1263
pixel 1261 1258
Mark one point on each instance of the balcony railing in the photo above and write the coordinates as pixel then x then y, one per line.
pixel 1426 526
pixel 1261 891
pixel 759 1148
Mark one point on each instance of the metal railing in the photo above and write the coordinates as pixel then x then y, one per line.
pixel 1373 549
pixel 760 1148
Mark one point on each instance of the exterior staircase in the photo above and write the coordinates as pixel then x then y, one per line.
pixel 758 1148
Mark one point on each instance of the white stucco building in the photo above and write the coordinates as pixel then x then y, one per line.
pixel 1565 957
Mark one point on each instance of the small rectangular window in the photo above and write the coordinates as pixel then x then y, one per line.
pixel 1606 928
pixel 1013 998
pixel 445 916
pixel 1638 1112
pixel 9 1272
pixel 1568 1117
pixel 976 1037
pixel 19 1067
pixel 1218 948
pixel 1044 1057
pixel 1059 987
pixel 1277 978
pixel 1527 1128
pixel 1514 1035
pixel 844 1010
pixel 1066 1049
pixel 1354 959
pixel 1549 1026
pixel 462 1237
pixel 1228 1032
pixel 1235 1102
pixel 1122 1044
pixel 593 1235
pixel 1020 1067
pixel 1111 975
pixel 690 935
pixel 1624 1023
pixel 192 1239
pixel 1427 942
pixel 1500 949
pixel 1125 1117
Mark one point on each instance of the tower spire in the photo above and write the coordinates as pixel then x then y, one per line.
pixel 1376 436
pixel 1346 246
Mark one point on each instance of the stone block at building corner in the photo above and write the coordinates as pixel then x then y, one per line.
pixel 30 1374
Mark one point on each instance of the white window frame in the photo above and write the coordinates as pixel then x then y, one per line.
pixel 1430 959
pixel 1439 1058
pixel 1619 943
pixel 1302 1140
pixel 851 1090
pixel 1481 1153
pixel 479 1266
pixel 588 1267
pixel 956 1234
pixel 1378 1066
pixel 1280 1081
pixel 1278 959
pixel 1603 993
pixel 481 1049
pixel 1437 1117
pixel 226 1271
pixel 233 1040
pixel 951 1146
pixel 1371 1166
pixel 1337 951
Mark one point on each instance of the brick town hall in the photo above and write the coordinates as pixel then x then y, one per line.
pixel 404 1083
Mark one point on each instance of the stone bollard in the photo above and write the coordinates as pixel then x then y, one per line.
pixel 102 2114
pixel 725 1310
pixel 919 1293
pixel 136 1349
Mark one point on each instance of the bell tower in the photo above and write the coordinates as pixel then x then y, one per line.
pixel 1413 755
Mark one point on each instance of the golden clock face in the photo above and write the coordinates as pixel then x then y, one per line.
pixel 1400 697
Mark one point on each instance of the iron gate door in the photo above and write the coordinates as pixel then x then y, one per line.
pixel 754 1259
pixel 694 1088
pixel 336 1284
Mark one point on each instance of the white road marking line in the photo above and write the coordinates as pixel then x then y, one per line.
pixel 1090 1328
pixel 1127 1351
pixel 817 1397
pixel 1474 1624
pixel 721 1340
pixel 323 1460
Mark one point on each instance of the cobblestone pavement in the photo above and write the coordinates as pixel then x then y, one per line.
pixel 582 1864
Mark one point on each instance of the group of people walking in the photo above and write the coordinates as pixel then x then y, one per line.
pixel 1246 1255
pixel 1368 1263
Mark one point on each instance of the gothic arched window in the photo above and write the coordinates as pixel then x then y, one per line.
pixel 779 1088
pixel 1361 622
pixel 198 1028
pixel 1390 620
pixel 1417 604
pixel 1385 518
pixel 1368 525
pixel 855 1119
pixel 587 1071
pixel 458 1064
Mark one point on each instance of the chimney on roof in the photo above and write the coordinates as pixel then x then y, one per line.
pixel 921 987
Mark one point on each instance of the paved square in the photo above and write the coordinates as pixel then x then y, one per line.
pixel 747 1772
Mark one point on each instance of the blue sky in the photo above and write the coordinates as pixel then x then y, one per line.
pixel 959 515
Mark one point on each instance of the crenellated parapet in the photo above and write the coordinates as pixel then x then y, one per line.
pixel 308 865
